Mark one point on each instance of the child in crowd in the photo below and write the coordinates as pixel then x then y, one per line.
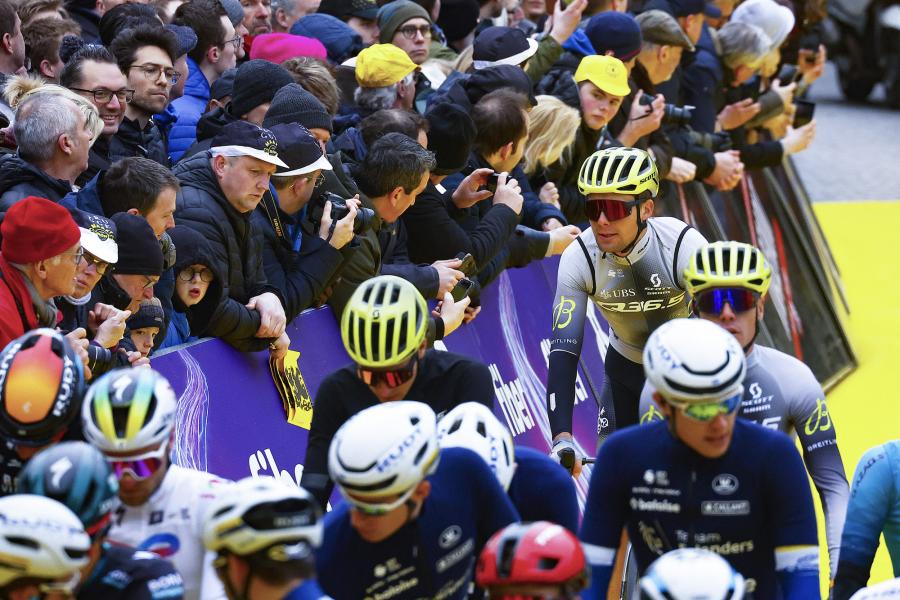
pixel 145 324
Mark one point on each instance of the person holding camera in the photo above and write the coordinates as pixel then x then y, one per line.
pixel 391 363
pixel 298 261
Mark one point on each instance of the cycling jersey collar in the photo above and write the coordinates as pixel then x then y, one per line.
pixel 639 249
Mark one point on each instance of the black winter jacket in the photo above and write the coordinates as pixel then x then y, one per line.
pixel 98 160
pixel 301 276
pixel 130 140
pixel 20 179
pixel 236 251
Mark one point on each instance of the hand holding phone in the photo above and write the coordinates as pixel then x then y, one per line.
pixel 461 289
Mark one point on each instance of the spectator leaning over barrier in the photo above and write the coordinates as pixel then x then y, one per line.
pixel 146 55
pixel 664 43
pixel 198 288
pixel 219 191
pixel 386 78
pixel 413 508
pixel 602 84
pixel 393 174
pixel 91 71
pixel 255 84
pixel 270 554
pixel 54 138
pixel 385 370
pixel 299 260
pixel 139 267
pixel 12 54
pixel 33 417
pixel 214 54
pixel 42 40
pixel 40 252
pixel 144 326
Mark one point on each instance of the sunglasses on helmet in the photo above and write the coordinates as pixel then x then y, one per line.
pixel 391 377
pixel 713 301
pixel 710 410
pixel 615 210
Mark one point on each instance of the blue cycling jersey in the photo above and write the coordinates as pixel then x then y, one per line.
pixel 874 509
pixel 542 490
pixel 308 590
pixel 433 555
pixel 752 506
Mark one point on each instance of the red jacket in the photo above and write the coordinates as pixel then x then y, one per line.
pixel 12 288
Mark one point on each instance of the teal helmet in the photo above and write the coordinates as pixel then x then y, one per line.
pixel 77 475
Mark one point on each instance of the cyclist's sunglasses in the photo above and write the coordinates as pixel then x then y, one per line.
pixel 615 210
pixel 713 301
pixel 710 410
pixel 392 377
pixel 140 469
pixel 376 510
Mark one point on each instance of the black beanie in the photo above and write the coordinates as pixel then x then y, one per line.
pixel 139 250
pixel 255 83
pixel 450 136
pixel 191 248
pixel 293 104
pixel 458 18
pixel 150 314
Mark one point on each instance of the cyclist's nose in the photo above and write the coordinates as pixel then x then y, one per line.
pixel 727 312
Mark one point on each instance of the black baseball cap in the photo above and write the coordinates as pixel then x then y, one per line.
pixel 241 138
pixel 299 149
pixel 502 46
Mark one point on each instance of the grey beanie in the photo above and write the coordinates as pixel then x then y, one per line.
pixel 234 9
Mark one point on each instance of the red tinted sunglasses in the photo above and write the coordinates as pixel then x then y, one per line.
pixel 139 469
pixel 615 210
pixel 391 377
pixel 713 301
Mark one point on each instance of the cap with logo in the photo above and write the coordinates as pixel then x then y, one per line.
pixel 299 149
pixel 98 235
pixel 241 138
pixel 606 72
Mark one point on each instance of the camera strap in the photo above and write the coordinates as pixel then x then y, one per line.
pixel 272 212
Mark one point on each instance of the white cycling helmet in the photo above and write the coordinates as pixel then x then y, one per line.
pixel 258 513
pixel 40 539
pixel 472 425
pixel 129 409
pixel 694 361
pixel 691 574
pixel 386 449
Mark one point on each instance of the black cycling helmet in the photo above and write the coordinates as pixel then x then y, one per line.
pixel 41 386
pixel 75 474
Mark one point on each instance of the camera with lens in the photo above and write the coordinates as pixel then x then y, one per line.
pixel 679 116
pixel 339 210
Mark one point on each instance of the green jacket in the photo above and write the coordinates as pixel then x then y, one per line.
pixel 548 52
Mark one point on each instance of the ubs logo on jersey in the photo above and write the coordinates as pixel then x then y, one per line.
pixel 725 484
pixel 629 293
pixel 450 536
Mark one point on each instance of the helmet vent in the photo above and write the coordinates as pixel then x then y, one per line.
pixel 507 555
pixel 455 426
pixel 75 553
pixel 379 298
pixel 547 564
pixel 626 168
pixel 420 454
pixel 414 420
pixel 22 541
pixel 481 429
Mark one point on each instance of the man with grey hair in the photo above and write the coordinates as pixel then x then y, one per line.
pixel 54 144
pixel 386 78
pixel 392 175
pixel 663 44
pixel 287 12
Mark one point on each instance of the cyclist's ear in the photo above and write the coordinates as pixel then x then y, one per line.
pixel 663 405
pixel 761 307
pixel 647 208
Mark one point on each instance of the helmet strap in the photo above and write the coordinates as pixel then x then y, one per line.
pixel 753 339
pixel 641 225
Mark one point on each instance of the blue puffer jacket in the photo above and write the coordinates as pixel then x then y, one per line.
pixel 189 108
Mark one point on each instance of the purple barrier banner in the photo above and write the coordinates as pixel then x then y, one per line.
pixel 231 421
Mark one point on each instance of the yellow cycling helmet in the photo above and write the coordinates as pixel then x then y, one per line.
pixel 384 322
pixel 619 171
pixel 727 264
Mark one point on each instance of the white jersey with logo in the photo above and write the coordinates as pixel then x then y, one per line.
pixel 636 293
pixel 170 524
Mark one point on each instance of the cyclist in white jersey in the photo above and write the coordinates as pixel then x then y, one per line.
pixel 629 264
pixel 729 282
pixel 129 414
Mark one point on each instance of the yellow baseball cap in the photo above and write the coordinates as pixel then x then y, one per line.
pixel 606 72
pixel 381 65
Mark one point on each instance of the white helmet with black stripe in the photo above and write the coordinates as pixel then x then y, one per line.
pixel 694 361
pixel 386 449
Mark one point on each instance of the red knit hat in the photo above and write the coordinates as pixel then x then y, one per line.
pixel 36 229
